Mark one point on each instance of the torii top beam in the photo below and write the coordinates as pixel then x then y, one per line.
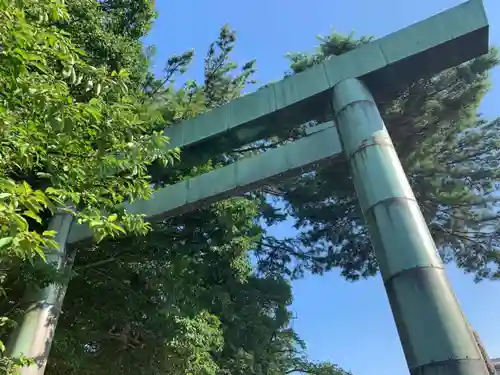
pixel 386 66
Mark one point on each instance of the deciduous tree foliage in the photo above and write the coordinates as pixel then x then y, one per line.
pixel 71 136
pixel 449 152
pixel 110 31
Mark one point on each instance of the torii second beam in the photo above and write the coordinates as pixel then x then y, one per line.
pixel 234 179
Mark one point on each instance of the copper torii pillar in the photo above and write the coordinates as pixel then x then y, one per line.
pixel 434 333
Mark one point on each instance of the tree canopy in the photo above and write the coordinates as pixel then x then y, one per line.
pixel 449 152
pixel 72 136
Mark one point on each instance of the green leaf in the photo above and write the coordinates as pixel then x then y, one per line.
pixel 49 233
pixel 66 72
pixel 33 215
pixel 43 175
pixel 5 241
pixel 20 223
pixel 40 252
pixel 118 228
pixel 51 190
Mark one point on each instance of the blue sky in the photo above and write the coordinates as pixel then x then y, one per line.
pixel 346 323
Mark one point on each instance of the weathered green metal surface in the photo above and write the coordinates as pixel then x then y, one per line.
pixel 435 335
pixel 234 179
pixel 33 337
pixel 386 65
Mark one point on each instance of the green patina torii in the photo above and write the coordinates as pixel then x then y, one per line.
pixel 434 333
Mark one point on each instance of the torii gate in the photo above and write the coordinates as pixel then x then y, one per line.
pixel 434 333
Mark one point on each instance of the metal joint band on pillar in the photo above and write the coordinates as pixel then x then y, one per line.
pixel 434 333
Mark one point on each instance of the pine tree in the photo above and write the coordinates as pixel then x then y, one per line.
pixel 449 152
